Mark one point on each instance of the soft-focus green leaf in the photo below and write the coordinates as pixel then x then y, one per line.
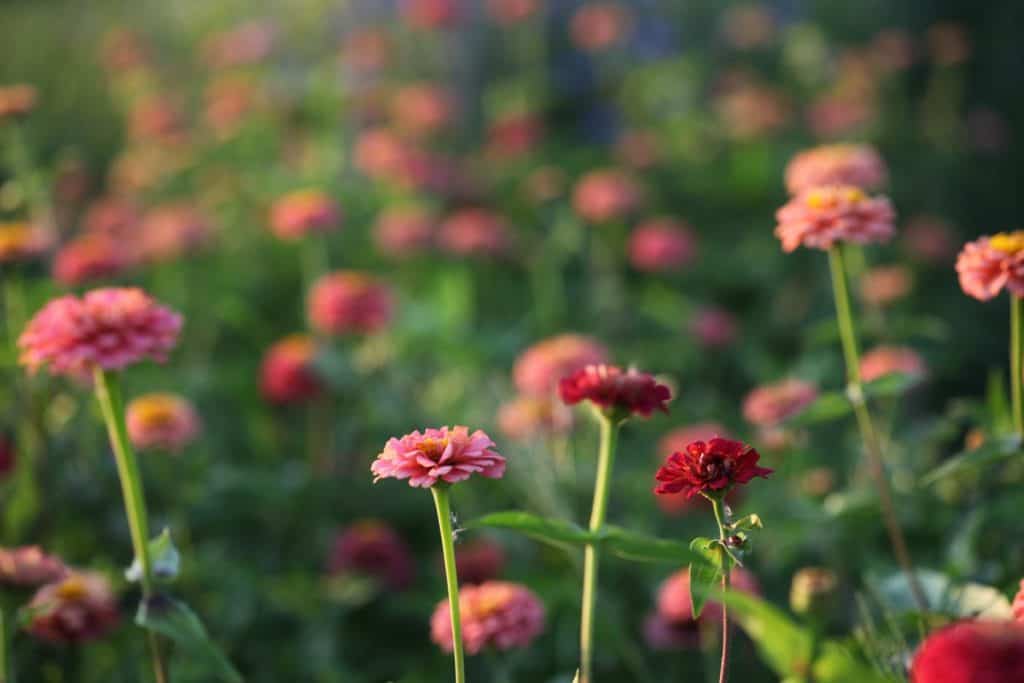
pixel 748 523
pixel 993 451
pixel 175 620
pixel 165 558
pixel 553 531
pixel 641 548
pixel 827 407
pixel 958 601
pixel 892 384
pixel 704 577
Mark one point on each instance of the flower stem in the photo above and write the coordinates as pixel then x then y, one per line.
pixel 723 666
pixel 872 445
pixel 444 523
pixel 4 666
pixel 602 486
pixel 108 392
pixel 1016 351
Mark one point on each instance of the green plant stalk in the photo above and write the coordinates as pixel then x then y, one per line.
pixel 723 666
pixel 872 445
pixel 602 487
pixel 1016 351
pixel 444 523
pixel 4 665
pixel 108 393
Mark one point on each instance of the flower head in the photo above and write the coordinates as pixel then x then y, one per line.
pixel 617 392
pixel 247 43
pixel 404 231
pixel 714 328
pixel 672 626
pixel 857 165
pixel 106 328
pixel 79 607
pixel 884 285
pixel 112 216
pixel 528 416
pixel 92 256
pixel 421 109
pixel 28 565
pixel 884 360
pixel 539 368
pixel 494 614
pixel 661 245
pixel 821 217
pixel 302 213
pixel 988 264
pixel 597 26
pixel 372 548
pixel 431 14
pixel 1018 604
pixel 511 11
pixel 173 230
pixel 287 374
pixel 162 421
pixel 23 242
pixel 709 468
pixel 349 302
pixel 479 560
pixel 16 100
pixel 446 455
pixel 770 404
pixel 475 232
pixel 606 195
pixel 971 652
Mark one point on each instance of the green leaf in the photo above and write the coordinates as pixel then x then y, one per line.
pixel 165 558
pixel 892 384
pixel 174 619
pixel 641 548
pixel 705 576
pixel 555 532
pixel 827 407
pixel 991 452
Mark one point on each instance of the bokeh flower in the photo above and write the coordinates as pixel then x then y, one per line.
pixel 108 328
pixel 245 44
pixel 539 368
pixel 514 135
pixel 512 11
pixel 529 417
pixel 302 213
pixel 661 245
pixel 824 216
pixel 606 195
pixel 713 328
pixel 405 231
pixel 770 404
pixel 171 231
pixel 287 374
pixel 474 232
pixel 112 216
pixel 988 264
pixel 1018 604
pixel 29 566
pixel 495 614
pixel 884 360
pixel 597 26
pixel 372 548
pixel 24 242
pixel 930 239
pixel 971 652
pixel 90 257
pixel 445 454
pixel 672 625
pixel 8 456
pixel 479 560
pixel 617 392
pixel 17 100
pixel 157 118
pixel 841 164
pixel 814 591
pixel 709 468
pixel 422 109
pixel 79 607
pixel 162 421
pixel 349 302
pixel 884 285
pixel 430 14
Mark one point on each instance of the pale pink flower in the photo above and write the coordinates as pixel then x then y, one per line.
pixel 988 264
pixel 162 421
pixel 672 626
pixel 79 607
pixel 29 566
pixel 446 455
pixel 661 245
pixel 113 216
pixel 92 256
pixel 825 216
pixel 171 231
pixel 422 109
pixel 883 360
pixel 884 285
pixel 475 232
pixel 714 328
pixel 840 164
pixel 528 417
pixel 606 195
pixel 349 302
pixel 770 404
pixel 108 328
pixel 302 213
pixel 404 231
pixel 539 368
pixel 597 26
pixel 372 548
pixel 495 614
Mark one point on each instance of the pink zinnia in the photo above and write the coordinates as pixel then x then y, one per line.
pixel 539 368
pixel 597 26
pixel 495 614
pixel 714 328
pixel 479 560
pixel 287 374
pixel 661 245
pixel 372 548
pixel 162 421
pixel 173 230
pixel 672 626
pixel 1018 604
pixel 446 455
pixel 380 153
pixel 514 135
pixel 106 328
pixel 988 264
pixel 29 566
pixel 971 652
pixel 79 607
pixel 770 404
pixel 930 238
pixel 302 213
pixel 621 393
pixel 857 165
pixel 92 256
pixel 431 14
pixel 512 11
pixel 824 216
pixel 247 43
pixel 422 109
pixel 606 195
pixel 113 216
pixel 349 302
pixel 475 232
pixel 884 285
pixel 404 231
pixel 883 360
pixel 527 417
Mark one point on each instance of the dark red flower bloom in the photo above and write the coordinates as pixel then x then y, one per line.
pixel 709 466
pixel 616 390
pixel 971 652
pixel 374 549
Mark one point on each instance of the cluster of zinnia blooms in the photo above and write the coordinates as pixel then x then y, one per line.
pixel 495 614
pixel 349 302
pixel 989 264
pixel 672 625
pixel 162 421
pixel 302 213
pixel 371 548
pixel 288 374
pixel 661 245
pixel 606 195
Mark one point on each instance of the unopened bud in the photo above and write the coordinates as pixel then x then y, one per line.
pixel 814 592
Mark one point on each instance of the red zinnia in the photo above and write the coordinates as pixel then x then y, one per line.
pixel 613 389
pixel 709 466
pixel 971 652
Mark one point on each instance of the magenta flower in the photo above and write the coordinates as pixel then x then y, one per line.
pixel 495 614
pixel 824 216
pixel 90 257
pixel 613 390
pixel 709 468
pixel 79 607
pixel 973 651
pixel 661 245
pixel 106 328
pixel 446 455
pixel 372 548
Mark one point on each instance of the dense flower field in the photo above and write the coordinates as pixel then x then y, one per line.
pixel 691 318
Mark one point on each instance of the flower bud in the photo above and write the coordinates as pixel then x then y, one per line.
pixel 814 592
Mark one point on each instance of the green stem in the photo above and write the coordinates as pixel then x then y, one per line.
pixel 602 486
pixel 4 666
pixel 444 523
pixel 1016 350
pixel 872 445
pixel 108 392
pixel 723 665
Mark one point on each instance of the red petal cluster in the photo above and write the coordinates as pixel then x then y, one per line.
pixel 709 466
pixel 971 652
pixel 612 388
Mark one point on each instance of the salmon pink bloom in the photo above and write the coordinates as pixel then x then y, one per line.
pixel 17 100
pixel 495 614
pixel 287 374
pixel 1018 604
pixel 349 302
pixel 106 328
pixel 372 548
pixel 479 560
pixel 857 165
pixel 971 652
pixel 422 109
pixel 528 417
pixel 79 607
pixel 172 231
pixel 431 14
pixel 162 421
pixel 884 360
pixel 247 43
pixel 661 245
pixel 302 213
pixel 672 626
pixel 29 566
pixel 606 195
pixel 771 404
pixel 380 153
pixel 512 11
pixel 988 264
pixel 616 392
pixel 92 257
pixel 112 216
pixel 447 455
pixel 367 50
pixel 598 26
pixel 157 118
pixel 884 285
pixel 475 232
pixel 709 468
pixel 540 367
pixel 403 231
pixel 824 216
pixel 24 242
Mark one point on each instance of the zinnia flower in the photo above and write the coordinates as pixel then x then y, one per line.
pixel 539 368
pixel 884 360
pixel 661 245
pixel 714 328
pixel 23 242
pixel 672 626
pixel 824 216
pixel 857 165
pixel 1018 604
pixel 930 239
pixel 676 440
pixel 884 285
pixel 107 328
pixel 445 455
pixel 302 213
pixel 421 109
pixel 404 231
pixel 479 560
pixel 495 614
pixel 511 11
pixel 92 256
pixel 709 467
pixel 162 421
pixel 247 43
pixel 606 195
pixel 430 14
pixel 349 302
pixel 597 26
pixel 16 100
pixel 617 392
pixel 475 232
pixel 173 230
pixel 529 417
pixel 971 652
pixel 770 404
pixel 112 216
pixel 29 566
pixel 372 548
pixel 287 374
pixel 988 264
pixel 81 606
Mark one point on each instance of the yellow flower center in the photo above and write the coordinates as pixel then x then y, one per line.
pixel 14 236
pixel 72 589
pixel 157 410
pixel 1008 242
pixel 827 197
pixel 433 447
pixel 492 601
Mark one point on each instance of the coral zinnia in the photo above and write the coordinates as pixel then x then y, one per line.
pixel 475 232
pixel 661 245
pixel 539 368
pixel 372 548
pixel 606 195
pixel 445 455
pixel 29 566
pixel 1018 604
pixel 988 264
pixel 164 421
pixel 303 213
pixel 616 391
pixel 824 216
pixel 349 302
pixel 92 256
pixel 709 467
pixel 79 607
pixel 884 360
pixel 857 165
pixel 287 374
pixel 495 614
pixel 971 652
pixel 107 328
pixel 770 404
